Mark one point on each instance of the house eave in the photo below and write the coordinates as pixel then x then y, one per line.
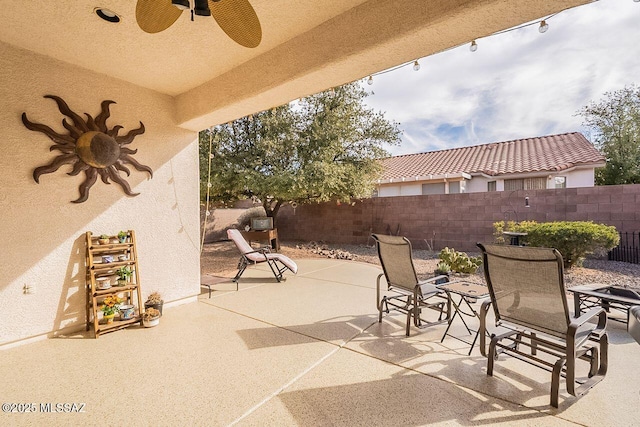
pixel 459 176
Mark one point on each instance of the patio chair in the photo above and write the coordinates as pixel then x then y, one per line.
pixel 633 325
pixel 277 262
pixel 526 289
pixel 409 296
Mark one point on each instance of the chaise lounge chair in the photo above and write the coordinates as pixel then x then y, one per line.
pixel 526 286
pixel 409 295
pixel 277 262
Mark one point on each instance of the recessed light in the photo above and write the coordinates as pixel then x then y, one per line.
pixel 106 14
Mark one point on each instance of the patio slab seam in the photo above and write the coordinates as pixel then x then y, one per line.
pixel 343 345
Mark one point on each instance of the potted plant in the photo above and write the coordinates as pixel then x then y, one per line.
pixel 150 317
pixel 103 239
pixel 122 236
pixel 124 273
pixel 154 301
pixel 110 306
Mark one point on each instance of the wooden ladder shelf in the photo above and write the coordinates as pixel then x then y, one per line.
pixel 103 260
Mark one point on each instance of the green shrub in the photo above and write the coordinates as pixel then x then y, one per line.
pixel 574 239
pixel 459 262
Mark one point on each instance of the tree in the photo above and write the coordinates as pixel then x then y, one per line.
pixel 320 148
pixel 615 122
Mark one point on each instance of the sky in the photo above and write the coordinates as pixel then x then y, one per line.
pixel 519 84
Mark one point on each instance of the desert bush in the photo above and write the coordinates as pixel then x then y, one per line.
pixel 574 239
pixel 459 262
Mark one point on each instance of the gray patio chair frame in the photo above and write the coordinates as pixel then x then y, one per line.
pixel 525 286
pixel 410 295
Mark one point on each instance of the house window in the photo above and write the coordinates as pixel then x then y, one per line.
pixel 454 187
pixel 437 188
pixel 561 181
pixel 491 186
pixel 525 184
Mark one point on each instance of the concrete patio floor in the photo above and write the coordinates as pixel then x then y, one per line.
pixel 309 352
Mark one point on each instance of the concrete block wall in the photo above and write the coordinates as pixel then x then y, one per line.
pixel 457 220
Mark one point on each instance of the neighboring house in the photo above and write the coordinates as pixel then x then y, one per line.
pixel 556 161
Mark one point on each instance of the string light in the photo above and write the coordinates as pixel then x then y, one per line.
pixel 543 26
pixel 473 47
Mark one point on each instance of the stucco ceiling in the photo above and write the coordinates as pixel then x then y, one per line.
pixel 307 46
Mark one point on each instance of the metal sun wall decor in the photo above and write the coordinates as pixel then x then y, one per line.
pixel 90 147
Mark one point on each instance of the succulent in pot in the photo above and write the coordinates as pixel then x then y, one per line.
pixel 122 236
pixel 103 239
pixel 150 317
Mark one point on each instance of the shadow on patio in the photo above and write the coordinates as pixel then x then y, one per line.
pixel 308 351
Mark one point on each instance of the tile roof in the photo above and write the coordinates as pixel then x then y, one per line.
pixel 545 153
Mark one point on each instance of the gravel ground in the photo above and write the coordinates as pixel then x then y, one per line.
pixel 221 258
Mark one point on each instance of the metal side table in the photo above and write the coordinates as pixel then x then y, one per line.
pixel 469 293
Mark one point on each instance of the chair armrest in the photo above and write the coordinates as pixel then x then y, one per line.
pixel 484 309
pixel 260 251
pixel 257 251
pixel 579 322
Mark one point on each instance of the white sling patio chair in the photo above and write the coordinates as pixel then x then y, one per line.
pixel 277 262
pixel 526 286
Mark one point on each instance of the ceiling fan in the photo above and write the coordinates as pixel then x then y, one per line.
pixel 235 17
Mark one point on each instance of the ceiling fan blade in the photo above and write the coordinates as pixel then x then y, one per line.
pixel 238 20
pixel 154 16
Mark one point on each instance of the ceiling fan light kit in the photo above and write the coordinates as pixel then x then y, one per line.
pixel 236 18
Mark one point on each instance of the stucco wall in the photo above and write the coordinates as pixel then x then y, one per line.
pixel 43 232
pixel 458 220
pixel 576 178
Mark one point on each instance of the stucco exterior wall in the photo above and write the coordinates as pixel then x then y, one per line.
pixel 42 232
pixel 577 178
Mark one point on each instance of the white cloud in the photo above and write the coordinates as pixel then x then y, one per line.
pixel 516 85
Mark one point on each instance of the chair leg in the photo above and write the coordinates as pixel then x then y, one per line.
pixel 492 355
pixel 409 313
pixel 381 308
pixel 242 266
pixel 555 381
pixel 274 270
